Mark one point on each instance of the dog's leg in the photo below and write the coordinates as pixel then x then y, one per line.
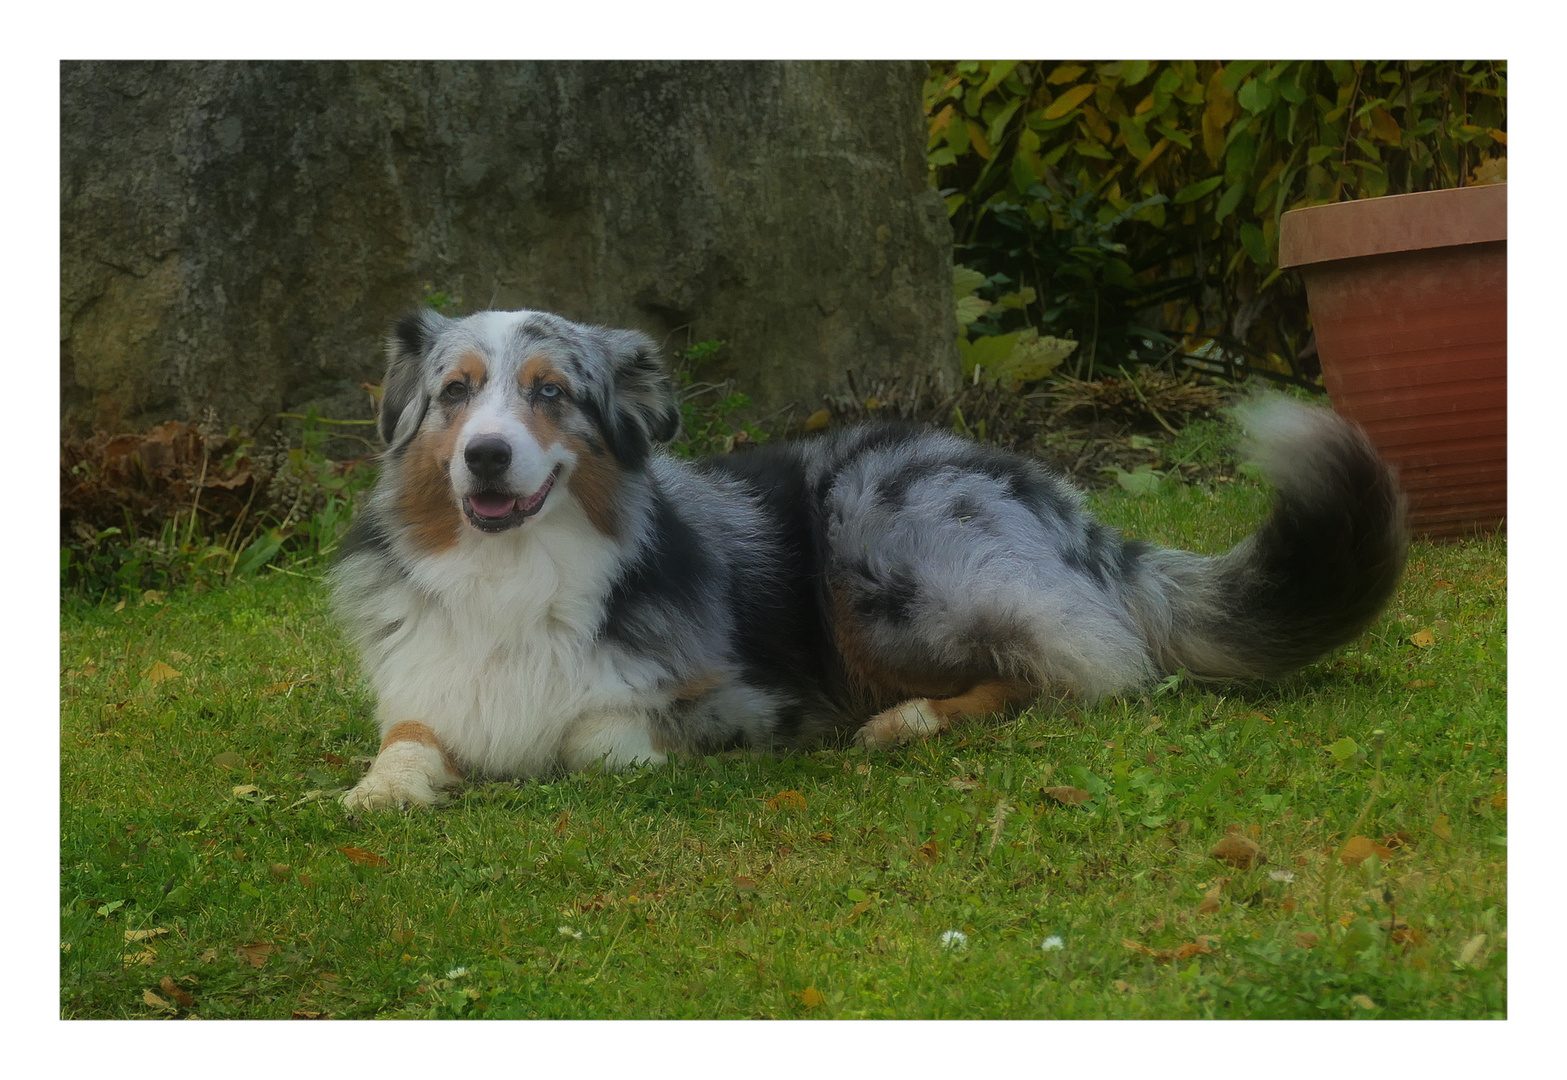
pixel 615 741
pixel 924 717
pixel 412 769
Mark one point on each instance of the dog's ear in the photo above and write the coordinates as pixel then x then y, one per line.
pixel 642 409
pixel 403 399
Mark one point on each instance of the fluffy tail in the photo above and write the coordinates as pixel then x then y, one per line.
pixel 1309 580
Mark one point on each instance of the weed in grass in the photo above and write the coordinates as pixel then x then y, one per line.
pixel 203 848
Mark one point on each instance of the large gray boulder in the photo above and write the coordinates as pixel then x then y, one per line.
pixel 239 236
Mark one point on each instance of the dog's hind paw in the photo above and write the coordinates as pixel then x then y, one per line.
pixel 899 724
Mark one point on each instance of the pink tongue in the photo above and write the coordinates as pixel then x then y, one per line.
pixel 491 506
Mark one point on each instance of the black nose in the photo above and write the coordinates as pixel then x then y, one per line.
pixel 488 457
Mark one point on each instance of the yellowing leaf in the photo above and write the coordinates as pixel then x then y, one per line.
pixel 787 800
pixel 811 997
pixel 1363 1001
pixel 818 420
pixel 1383 126
pixel 1069 101
pixel 1442 829
pixel 1422 639
pixel 160 672
pixel 145 935
pixel 156 1002
pixel 1065 73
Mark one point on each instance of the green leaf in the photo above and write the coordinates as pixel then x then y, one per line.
pixel 965 281
pixel 1175 135
pixel 998 73
pixel 1256 247
pixel 1134 72
pixel 1235 71
pixel 1193 192
pixel 1136 140
pixel 998 126
pixel 1255 96
pixel 1023 176
pixel 1232 199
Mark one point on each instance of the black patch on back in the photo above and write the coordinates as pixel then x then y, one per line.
pixel 782 634
pixel 1101 555
pixel 1022 479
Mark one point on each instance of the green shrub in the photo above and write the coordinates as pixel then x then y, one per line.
pixel 1140 201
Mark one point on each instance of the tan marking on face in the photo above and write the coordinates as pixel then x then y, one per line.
pixel 536 369
pixel 416 731
pixel 425 499
pixel 472 367
pixel 595 482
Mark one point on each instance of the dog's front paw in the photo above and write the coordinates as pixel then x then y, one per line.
pixel 911 720
pixel 404 774
pixel 381 793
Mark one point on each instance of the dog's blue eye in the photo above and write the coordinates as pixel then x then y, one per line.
pixel 549 390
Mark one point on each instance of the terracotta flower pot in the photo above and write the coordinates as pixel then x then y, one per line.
pixel 1408 296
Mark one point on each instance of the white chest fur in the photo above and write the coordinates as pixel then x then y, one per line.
pixel 495 647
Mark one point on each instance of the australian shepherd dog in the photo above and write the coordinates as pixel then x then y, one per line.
pixel 535 586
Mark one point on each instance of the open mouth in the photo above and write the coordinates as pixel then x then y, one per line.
pixel 493 511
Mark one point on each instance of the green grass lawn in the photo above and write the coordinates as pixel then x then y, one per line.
pixel 1053 865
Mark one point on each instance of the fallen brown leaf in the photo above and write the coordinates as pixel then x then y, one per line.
pixel 1071 796
pixel 1239 850
pixel 177 992
pixel 363 857
pixel 1211 899
pixel 1357 849
pixel 156 1002
pixel 256 953
pixel 1306 940
pixel 1441 829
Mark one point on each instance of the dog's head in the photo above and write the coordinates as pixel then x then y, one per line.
pixel 497 418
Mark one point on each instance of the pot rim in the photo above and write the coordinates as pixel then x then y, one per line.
pixel 1393 223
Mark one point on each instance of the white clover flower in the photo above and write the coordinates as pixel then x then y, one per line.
pixel 954 939
pixel 457 973
pixel 1052 943
pixel 1281 875
pixel 566 931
